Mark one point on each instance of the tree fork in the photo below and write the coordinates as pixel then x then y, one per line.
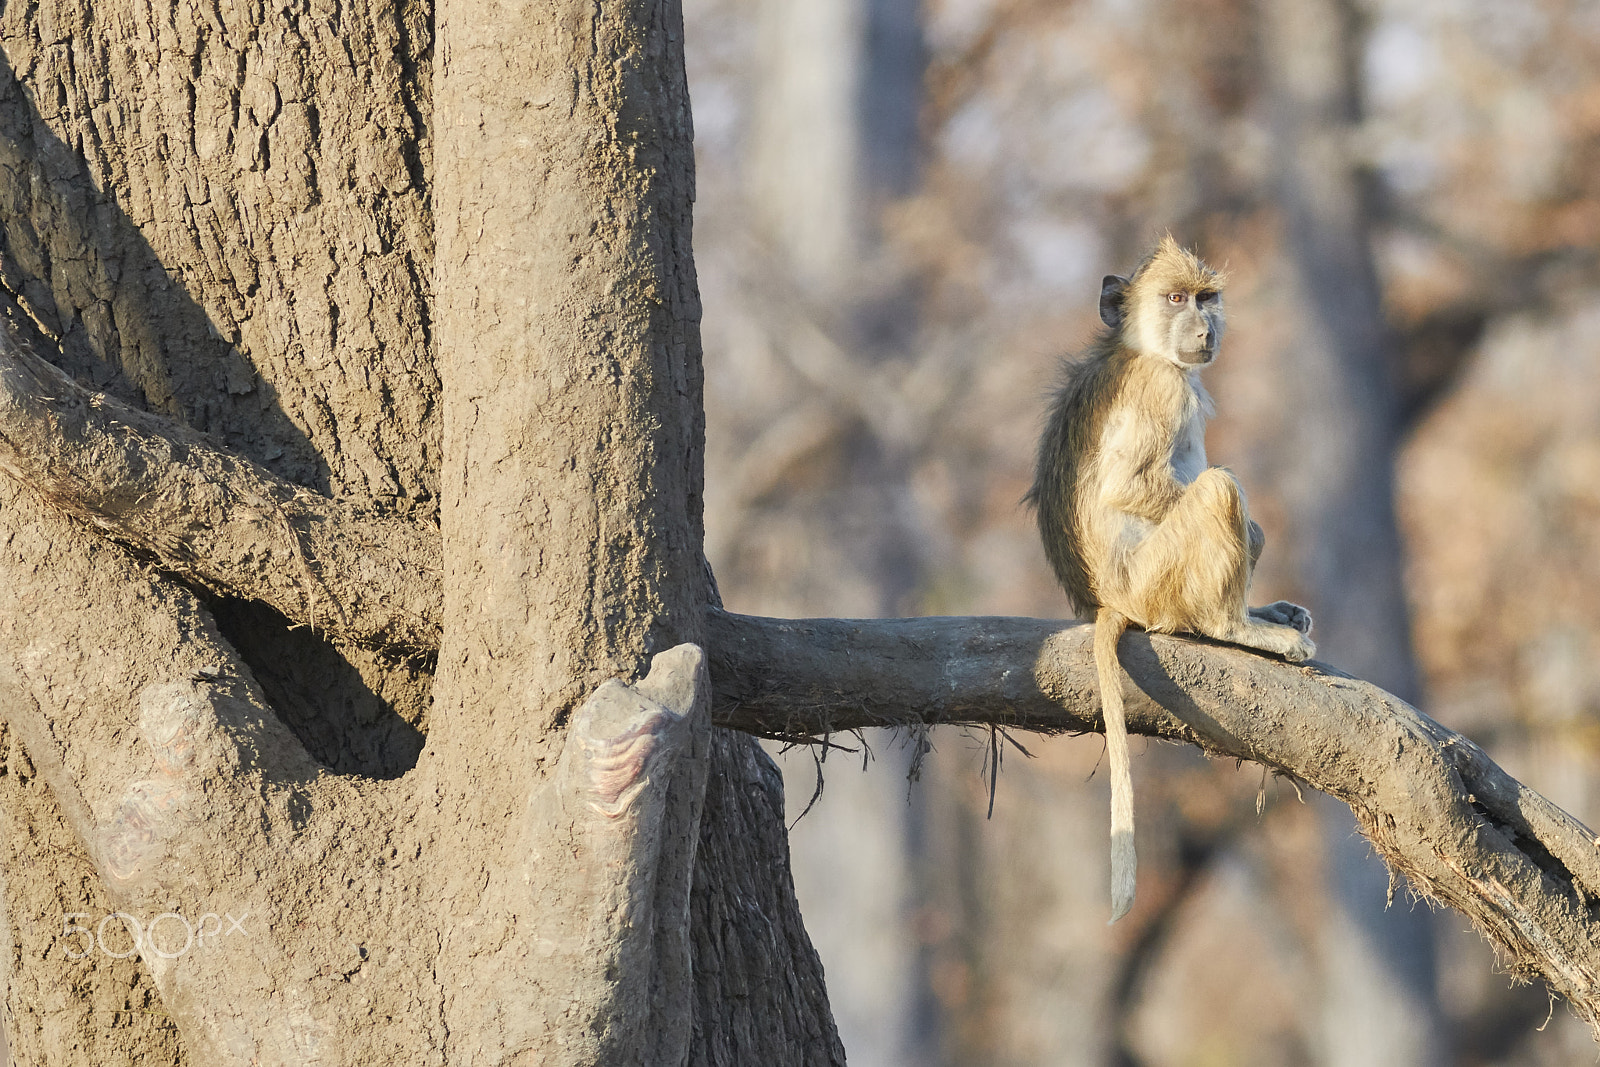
pixel 193 800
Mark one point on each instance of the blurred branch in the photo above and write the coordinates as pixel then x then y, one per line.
pixel 956 73
pixel 1431 801
pixel 895 394
pixel 1437 346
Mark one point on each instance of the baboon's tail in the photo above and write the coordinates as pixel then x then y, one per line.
pixel 1108 628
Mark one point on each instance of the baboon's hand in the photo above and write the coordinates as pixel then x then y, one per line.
pixel 1285 614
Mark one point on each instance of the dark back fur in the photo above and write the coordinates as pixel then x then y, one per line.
pixel 1076 415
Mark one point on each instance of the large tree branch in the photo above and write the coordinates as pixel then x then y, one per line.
pixel 1433 803
pixel 223 522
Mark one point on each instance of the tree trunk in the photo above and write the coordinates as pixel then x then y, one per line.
pixel 228 216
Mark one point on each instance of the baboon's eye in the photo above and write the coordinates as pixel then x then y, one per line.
pixel 1208 296
pixel 1177 298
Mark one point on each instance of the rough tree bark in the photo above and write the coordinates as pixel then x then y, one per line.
pixel 222 590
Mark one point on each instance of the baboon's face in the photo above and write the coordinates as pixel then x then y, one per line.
pixel 1171 308
pixel 1182 325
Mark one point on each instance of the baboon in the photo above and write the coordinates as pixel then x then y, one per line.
pixel 1140 531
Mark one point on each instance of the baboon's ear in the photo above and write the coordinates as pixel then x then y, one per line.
pixel 1112 286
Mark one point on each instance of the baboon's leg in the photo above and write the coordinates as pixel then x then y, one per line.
pixel 1193 570
pixel 1190 571
pixel 1286 640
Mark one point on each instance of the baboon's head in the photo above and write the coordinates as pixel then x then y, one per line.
pixel 1171 306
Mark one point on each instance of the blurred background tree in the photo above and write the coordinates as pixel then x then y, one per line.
pixel 904 211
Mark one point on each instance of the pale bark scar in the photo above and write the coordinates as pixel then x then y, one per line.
pixel 616 765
